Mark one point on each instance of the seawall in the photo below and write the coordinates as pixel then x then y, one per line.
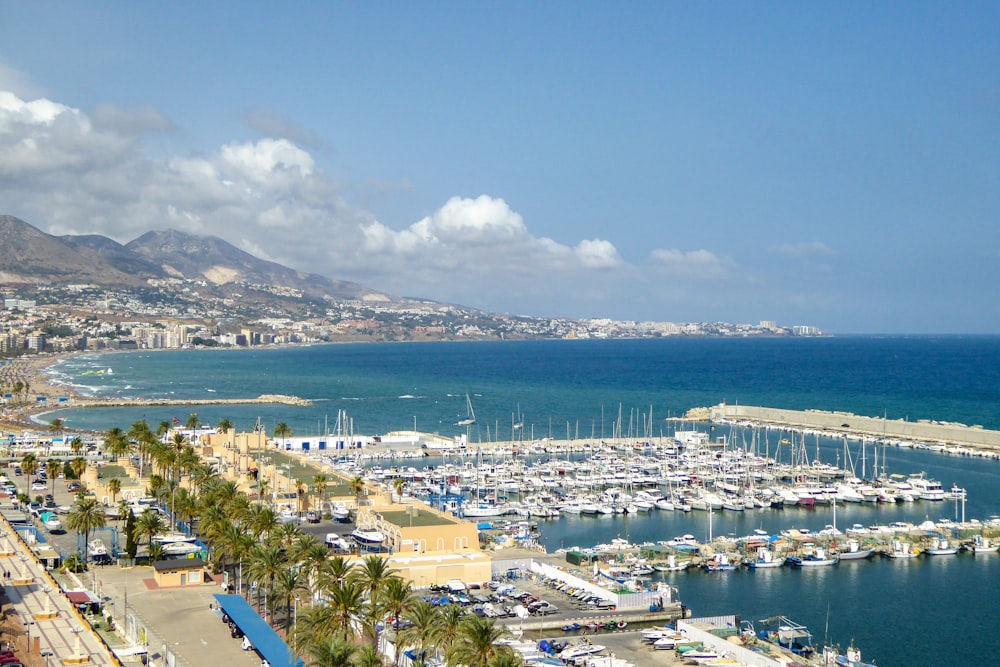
pixel 922 431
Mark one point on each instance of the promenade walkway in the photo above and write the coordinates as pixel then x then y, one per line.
pixel 56 631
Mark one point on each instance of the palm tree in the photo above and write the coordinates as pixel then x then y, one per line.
pixel 346 601
pixel 373 574
pixel 422 620
pixel 156 552
pixel 320 482
pixel 52 469
pixel 333 652
pixel 506 659
pixel 114 488
pixel 193 423
pixel 116 443
pixel 397 594
pixel 78 465
pixel 149 525
pixel 399 485
pixel 85 517
pixel 76 444
pixel 29 464
pixel 332 573
pixel 224 425
pixel 369 656
pixel 476 644
pixel 282 430
pixel 449 627
pixel 266 563
pixel 289 584
pixel 300 494
pixel 357 485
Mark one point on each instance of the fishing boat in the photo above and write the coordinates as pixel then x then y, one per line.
pixel 764 559
pixel 720 563
pixel 817 557
pixel 900 549
pixel 853 551
pixel 672 565
pixel 982 545
pixel 941 547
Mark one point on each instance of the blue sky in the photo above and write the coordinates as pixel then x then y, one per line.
pixel 833 164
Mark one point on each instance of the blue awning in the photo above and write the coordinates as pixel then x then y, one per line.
pixel 261 635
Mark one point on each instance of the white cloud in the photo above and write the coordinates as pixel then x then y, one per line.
pixel 18 82
pixel 695 263
pixel 803 250
pixel 597 254
pixel 70 172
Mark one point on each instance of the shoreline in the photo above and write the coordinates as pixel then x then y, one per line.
pixel 34 370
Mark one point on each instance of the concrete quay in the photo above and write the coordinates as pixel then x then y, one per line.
pixel 846 423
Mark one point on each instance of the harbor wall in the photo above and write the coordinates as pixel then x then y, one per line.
pixel 851 424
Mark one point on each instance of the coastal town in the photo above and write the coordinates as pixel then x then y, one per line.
pixel 180 314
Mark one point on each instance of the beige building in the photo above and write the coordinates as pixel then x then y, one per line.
pixel 426 546
pixel 180 573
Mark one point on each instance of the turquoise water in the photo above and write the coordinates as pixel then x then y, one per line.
pixel 927 611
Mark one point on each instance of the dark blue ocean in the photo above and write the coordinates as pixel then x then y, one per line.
pixel 925 611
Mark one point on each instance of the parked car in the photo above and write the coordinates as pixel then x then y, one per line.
pixel 312 517
pixel 73 487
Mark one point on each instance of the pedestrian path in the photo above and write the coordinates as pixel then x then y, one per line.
pixel 55 626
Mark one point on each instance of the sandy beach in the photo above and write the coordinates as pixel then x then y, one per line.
pixel 30 371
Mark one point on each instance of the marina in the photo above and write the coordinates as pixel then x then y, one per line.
pixel 564 398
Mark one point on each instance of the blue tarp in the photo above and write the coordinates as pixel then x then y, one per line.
pixel 261 635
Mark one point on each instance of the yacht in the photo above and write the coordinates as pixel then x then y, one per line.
pixel 368 538
pixel 926 489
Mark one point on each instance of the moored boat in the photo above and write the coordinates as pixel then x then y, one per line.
pixel 764 559
pixel 817 557
pixel 853 551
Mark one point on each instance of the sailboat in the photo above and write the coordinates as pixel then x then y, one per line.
pixel 471 418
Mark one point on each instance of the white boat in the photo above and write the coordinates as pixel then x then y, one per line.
pixel 335 541
pixel 900 549
pixel 51 521
pixel 368 538
pixel 765 559
pixel 341 513
pixel 983 545
pixel 941 547
pixel 483 510
pixel 926 489
pixel 471 414
pixel 854 551
pixel 672 565
pixel 668 642
pixel 96 549
pixel 815 558
pixel 580 651
pixel 177 544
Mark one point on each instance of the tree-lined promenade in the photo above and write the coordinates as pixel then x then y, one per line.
pixel 332 609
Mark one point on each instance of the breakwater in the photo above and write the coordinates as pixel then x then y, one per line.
pixel 924 431
pixel 263 399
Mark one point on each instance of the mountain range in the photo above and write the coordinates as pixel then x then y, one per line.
pixel 29 255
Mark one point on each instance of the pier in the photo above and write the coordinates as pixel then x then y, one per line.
pixel 848 424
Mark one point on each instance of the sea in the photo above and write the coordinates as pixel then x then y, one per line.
pixel 924 611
